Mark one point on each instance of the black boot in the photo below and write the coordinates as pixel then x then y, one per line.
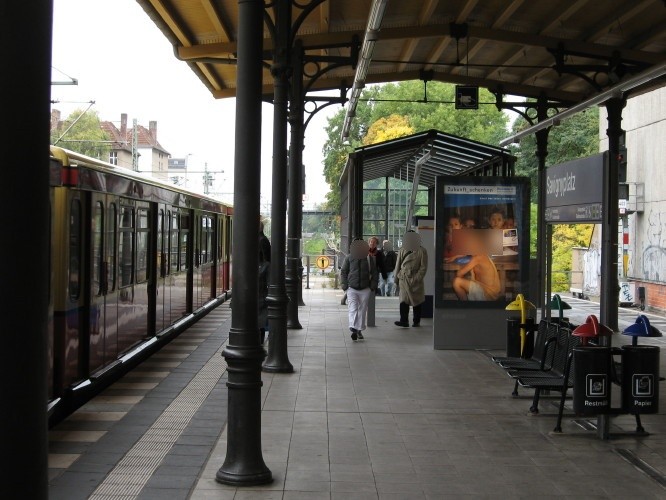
pixel 417 315
pixel 404 315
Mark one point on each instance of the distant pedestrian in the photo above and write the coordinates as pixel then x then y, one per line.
pixel 410 270
pixel 376 252
pixel 264 245
pixel 359 279
pixel 390 257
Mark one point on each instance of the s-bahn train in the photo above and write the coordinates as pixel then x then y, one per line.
pixel 134 261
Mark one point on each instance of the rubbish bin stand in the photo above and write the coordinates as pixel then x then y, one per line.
pixel 591 381
pixel 640 378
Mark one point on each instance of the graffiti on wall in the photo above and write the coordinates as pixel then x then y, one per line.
pixel 654 252
pixel 591 270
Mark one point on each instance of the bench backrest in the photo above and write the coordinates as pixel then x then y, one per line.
pixel 546 330
pixel 562 346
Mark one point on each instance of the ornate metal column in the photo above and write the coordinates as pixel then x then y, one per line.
pixel 24 421
pixel 609 246
pixel 244 464
pixel 278 357
pixel 294 264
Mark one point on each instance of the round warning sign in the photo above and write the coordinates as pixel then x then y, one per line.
pixel 323 262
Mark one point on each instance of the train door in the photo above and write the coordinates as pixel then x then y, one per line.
pixel 161 266
pixel 103 315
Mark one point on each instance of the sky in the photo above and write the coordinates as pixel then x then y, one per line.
pixel 126 65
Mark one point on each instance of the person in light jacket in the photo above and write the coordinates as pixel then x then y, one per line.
pixel 410 270
pixel 359 278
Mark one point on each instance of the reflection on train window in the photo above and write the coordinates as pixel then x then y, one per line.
pixel 184 235
pixel 207 231
pixel 173 245
pixel 74 249
pixel 97 253
pixel 142 234
pixel 125 245
pixel 111 227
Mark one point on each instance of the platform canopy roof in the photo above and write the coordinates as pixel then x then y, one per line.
pixel 565 50
pixel 437 152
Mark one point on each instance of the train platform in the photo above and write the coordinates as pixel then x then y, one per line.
pixel 383 418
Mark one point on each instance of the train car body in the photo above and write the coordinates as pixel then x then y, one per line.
pixel 134 261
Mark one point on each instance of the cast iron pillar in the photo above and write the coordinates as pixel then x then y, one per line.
pixel 244 464
pixel 294 265
pixel 278 357
pixel 609 241
pixel 25 285
pixel 542 241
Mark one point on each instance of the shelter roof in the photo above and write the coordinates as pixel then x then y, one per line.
pixel 565 50
pixel 438 153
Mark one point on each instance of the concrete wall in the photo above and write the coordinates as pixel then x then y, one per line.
pixel 644 121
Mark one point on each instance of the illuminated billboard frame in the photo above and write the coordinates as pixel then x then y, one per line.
pixel 479 266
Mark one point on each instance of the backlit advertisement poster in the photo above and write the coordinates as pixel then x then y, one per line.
pixel 482 240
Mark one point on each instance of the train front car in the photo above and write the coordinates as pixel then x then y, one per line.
pixel 134 262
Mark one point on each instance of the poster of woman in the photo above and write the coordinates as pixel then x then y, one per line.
pixel 482 240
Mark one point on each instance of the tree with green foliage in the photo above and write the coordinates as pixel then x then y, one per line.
pixel 85 135
pixel 575 137
pixel 422 111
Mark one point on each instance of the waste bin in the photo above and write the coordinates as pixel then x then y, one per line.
pixel 640 378
pixel 591 382
pixel 513 337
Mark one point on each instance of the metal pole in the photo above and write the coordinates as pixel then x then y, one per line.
pixel 244 464
pixel 307 272
pixel 24 421
pixel 335 271
pixel 277 360
pixel 542 248
pixel 609 246
pixel 293 279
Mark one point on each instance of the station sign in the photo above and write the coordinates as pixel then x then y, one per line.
pixel 467 97
pixel 323 262
pixel 574 191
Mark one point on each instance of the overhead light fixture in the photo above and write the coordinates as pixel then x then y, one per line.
pixel 369 39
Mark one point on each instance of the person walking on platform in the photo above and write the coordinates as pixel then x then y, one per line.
pixel 410 270
pixel 386 284
pixel 359 280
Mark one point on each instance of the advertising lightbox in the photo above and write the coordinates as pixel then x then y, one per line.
pixel 482 233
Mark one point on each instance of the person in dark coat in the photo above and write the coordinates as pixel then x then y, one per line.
pixel 359 279
pixel 390 258
pixel 264 245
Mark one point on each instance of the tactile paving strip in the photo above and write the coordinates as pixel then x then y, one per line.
pixel 131 474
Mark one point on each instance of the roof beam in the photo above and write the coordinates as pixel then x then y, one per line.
pixel 214 17
pixel 228 49
pixel 602 29
pixel 500 21
pixel 410 45
pixel 169 18
pixel 555 23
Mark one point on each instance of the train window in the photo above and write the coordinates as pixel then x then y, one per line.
pixel 75 249
pixel 174 242
pixel 97 250
pixel 111 231
pixel 142 233
pixel 126 245
pixel 184 236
